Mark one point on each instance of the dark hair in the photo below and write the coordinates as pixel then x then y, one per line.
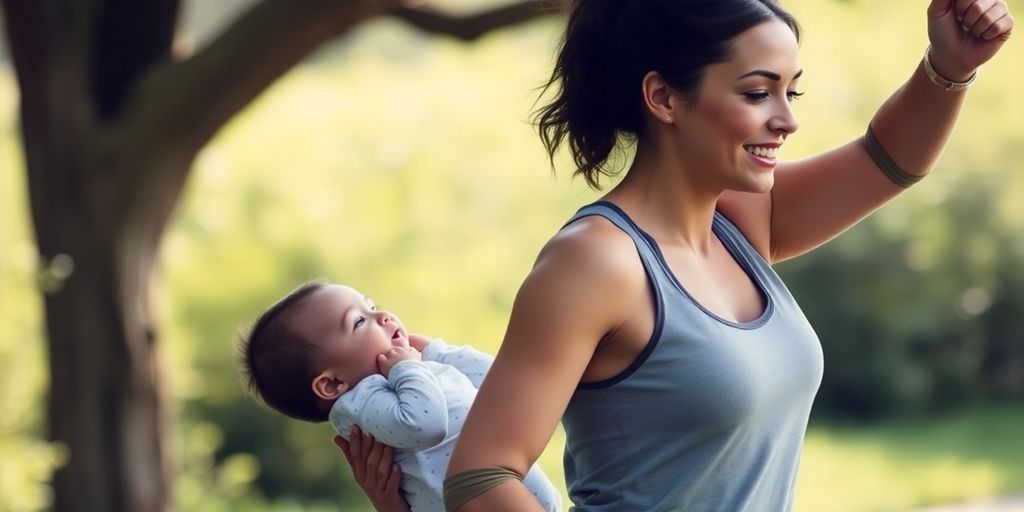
pixel 278 364
pixel 608 47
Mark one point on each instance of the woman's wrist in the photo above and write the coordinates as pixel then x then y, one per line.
pixel 948 68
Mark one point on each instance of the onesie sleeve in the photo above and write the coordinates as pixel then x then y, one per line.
pixel 471 362
pixel 405 410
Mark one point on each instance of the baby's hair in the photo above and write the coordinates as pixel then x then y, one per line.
pixel 278 363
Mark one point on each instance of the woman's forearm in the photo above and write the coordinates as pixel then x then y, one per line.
pixel 511 496
pixel 914 124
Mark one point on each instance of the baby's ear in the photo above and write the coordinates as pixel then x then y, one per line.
pixel 328 386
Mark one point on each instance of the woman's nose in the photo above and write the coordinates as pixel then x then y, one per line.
pixel 784 121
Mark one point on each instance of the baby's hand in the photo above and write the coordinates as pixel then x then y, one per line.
pixel 389 359
pixel 419 341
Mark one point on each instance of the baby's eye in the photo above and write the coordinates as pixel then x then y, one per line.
pixel 359 321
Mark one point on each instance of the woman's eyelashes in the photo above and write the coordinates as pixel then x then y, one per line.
pixel 756 96
pixel 761 95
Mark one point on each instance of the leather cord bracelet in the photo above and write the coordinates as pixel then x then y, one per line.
pixel 941 81
pixel 885 162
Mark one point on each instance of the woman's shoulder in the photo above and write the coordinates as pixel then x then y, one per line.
pixel 590 246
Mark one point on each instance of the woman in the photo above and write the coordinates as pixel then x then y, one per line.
pixel 652 324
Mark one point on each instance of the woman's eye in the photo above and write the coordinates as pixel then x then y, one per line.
pixel 793 95
pixel 756 95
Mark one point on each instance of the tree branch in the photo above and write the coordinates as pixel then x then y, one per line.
pixel 472 27
pixel 188 101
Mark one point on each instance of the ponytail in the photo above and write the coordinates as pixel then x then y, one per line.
pixel 608 47
pixel 583 111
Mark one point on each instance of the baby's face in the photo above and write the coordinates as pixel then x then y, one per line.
pixel 350 331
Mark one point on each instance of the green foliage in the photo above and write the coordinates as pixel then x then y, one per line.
pixel 404 165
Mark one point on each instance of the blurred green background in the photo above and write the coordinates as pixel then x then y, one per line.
pixel 405 165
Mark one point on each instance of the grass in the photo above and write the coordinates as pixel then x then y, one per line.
pixel 904 464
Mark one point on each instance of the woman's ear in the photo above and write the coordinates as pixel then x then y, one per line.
pixel 328 387
pixel 658 98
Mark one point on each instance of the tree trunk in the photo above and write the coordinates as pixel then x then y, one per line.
pixel 105 397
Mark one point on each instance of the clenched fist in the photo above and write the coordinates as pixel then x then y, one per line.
pixel 389 359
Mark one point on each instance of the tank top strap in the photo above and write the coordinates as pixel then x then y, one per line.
pixel 645 246
pixel 745 254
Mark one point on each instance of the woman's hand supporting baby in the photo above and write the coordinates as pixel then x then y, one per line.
pixel 374 471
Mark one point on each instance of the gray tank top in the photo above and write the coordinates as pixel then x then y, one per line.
pixel 711 416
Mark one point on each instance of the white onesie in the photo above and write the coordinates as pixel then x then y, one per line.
pixel 419 410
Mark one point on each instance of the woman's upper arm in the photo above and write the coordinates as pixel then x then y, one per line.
pixel 563 309
pixel 816 199
pixel 812 202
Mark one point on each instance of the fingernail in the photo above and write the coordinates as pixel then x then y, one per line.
pixel 959 18
pixel 965 28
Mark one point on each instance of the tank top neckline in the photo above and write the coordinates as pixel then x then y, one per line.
pixel 719 224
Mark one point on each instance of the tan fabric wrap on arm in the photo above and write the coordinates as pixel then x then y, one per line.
pixel 888 166
pixel 462 487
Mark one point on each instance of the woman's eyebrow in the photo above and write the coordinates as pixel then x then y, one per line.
pixel 768 74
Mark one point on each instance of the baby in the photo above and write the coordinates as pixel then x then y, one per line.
pixel 325 352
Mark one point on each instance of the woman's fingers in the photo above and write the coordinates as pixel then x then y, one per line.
pixel 394 479
pixel 972 14
pixel 961 7
pixel 374 470
pixel 978 21
pixel 986 19
pixel 384 467
pixel 359 448
pixel 1001 28
pixel 342 444
pixel 372 462
pixel 356 442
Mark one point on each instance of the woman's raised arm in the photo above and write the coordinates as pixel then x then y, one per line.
pixel 814 200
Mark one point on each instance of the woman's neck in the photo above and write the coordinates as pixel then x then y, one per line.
pixel 668 199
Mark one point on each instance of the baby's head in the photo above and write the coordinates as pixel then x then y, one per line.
pixel 315 344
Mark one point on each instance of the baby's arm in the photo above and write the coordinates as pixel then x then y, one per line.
pixel 406 409
pixel 471 362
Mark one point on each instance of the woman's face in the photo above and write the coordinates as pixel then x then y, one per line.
pixel 742 113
